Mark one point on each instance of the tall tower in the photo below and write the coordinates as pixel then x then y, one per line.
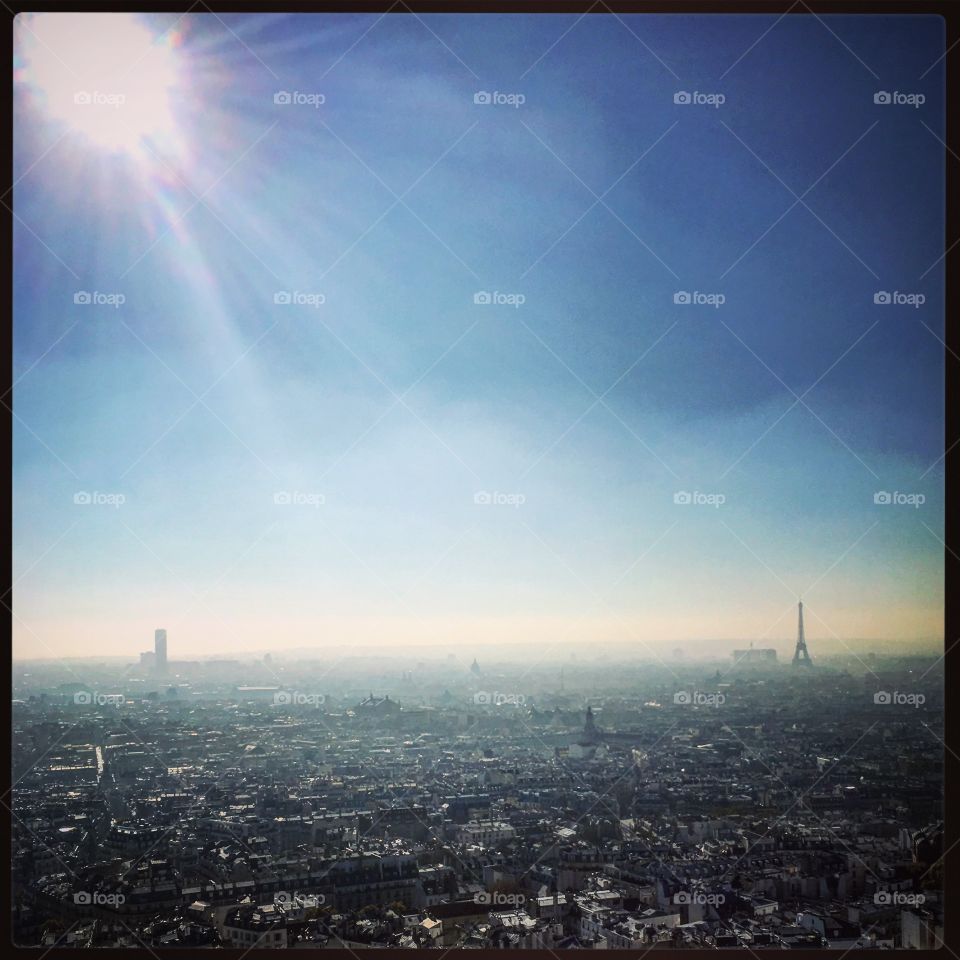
pixel 591 734
pixel 801 657
pixel 160 650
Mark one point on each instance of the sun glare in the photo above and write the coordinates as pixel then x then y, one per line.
pixel 106 76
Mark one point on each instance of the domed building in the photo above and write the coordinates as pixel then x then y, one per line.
pixel 589 745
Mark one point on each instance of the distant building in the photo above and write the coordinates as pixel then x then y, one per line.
pixel 590 742
pixel 254 756
pixel 801 656
pixel 591 735
pixel 160 650
pixel 754 657
pixel 377 706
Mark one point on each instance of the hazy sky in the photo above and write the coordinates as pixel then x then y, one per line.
pixel 168 175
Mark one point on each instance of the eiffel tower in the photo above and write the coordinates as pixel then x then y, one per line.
pixel 801 657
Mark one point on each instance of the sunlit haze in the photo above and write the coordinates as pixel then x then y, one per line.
pixel 317 350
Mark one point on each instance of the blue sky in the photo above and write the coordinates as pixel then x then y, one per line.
pixel 398 400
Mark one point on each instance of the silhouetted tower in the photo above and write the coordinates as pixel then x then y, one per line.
pixel 591 735
pixel 160 651
pixel 801 656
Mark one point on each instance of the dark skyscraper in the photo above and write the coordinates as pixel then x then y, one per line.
pixel 160 650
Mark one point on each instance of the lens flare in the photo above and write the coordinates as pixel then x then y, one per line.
pixel 105 76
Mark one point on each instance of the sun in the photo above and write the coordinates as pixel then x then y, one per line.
pixel 106 76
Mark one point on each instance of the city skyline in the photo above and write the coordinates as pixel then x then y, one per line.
pixel 410 362
pixel 715 649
